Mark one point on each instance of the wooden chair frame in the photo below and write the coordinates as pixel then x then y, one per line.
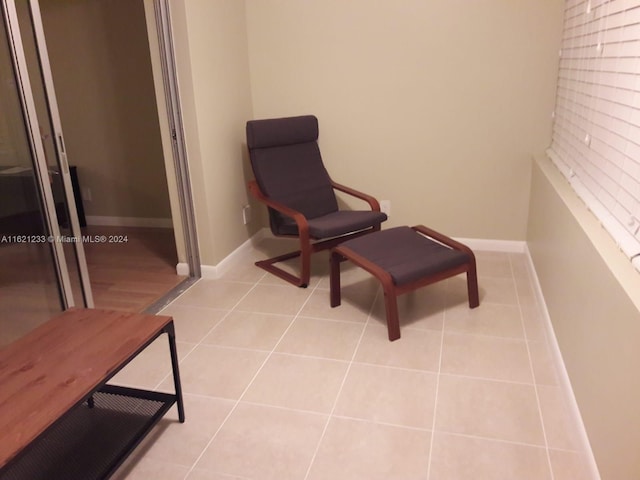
pixel 307 247
pixel 391 290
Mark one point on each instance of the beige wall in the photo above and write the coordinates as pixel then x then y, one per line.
pixel 213 70
pixel 597 324
pixel 436 106
pixel 102 73
pixel 418 101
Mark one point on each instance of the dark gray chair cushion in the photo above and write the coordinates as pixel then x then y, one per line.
pixel 336 223
pixel 294 175
pixel 274 132
pixel 405 254
pixel 288 167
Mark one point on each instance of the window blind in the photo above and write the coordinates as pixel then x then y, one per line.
pixel 596 133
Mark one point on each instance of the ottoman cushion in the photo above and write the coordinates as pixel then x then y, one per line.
pixel 405 254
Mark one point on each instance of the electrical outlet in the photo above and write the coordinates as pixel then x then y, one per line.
pixel 246 214
pixel 385 207
pixel 86 194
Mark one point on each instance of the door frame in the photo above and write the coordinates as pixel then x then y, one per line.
pixel 175 129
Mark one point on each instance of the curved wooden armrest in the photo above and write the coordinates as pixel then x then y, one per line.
pixel 299 218
pixel 442 238
pixel 373 203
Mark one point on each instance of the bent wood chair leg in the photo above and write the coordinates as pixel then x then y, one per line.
pixel 269 266
pixel 472 280
pixel 305 267
pixel 391 307
pixel 472 285
pixel 307 249
pixel 389 288
pixel 334 279
pixel 391 304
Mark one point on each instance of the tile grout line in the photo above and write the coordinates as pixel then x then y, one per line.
pixel 237 402
pixel 332 415
pixel 535 383
pixel 495 440
pixel 199 343
pixel 344 379
pixel 369 322
pixel 435 401
pixel 191 351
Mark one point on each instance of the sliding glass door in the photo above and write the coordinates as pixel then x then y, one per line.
pixel 42 265
pixel 55 155
pixel 43 269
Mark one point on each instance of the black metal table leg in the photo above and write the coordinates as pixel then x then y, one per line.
pixel 170 329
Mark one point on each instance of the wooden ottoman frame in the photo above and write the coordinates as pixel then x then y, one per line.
pixel 390 288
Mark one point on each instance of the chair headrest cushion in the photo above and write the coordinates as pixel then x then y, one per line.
pixel 277 132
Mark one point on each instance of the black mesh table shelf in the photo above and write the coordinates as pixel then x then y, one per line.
pixel 83 428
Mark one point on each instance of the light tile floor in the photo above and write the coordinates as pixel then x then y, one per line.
pixel 278 385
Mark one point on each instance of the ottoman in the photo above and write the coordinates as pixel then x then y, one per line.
pixel 404 259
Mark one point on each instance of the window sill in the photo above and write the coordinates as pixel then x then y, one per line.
pixel 615 259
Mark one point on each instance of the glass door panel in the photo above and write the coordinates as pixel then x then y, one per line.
pixel 30 291
pixel 50 131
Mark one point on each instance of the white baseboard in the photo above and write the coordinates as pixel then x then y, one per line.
pixel 209 272
pixel 565 381
pixel 216 271
pixel 511 246
pixel 182 268
pixel 106 221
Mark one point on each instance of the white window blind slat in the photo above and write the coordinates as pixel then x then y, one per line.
pixel 596 133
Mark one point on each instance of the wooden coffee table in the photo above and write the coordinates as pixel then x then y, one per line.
pixel 58 416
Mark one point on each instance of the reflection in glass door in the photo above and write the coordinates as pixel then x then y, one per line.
pixel 39 231
pixel 29 284
pixel 50 131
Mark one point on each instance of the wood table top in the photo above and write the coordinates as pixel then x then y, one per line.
pixel 52 368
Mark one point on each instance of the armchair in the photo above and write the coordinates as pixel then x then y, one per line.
pixel 291 180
